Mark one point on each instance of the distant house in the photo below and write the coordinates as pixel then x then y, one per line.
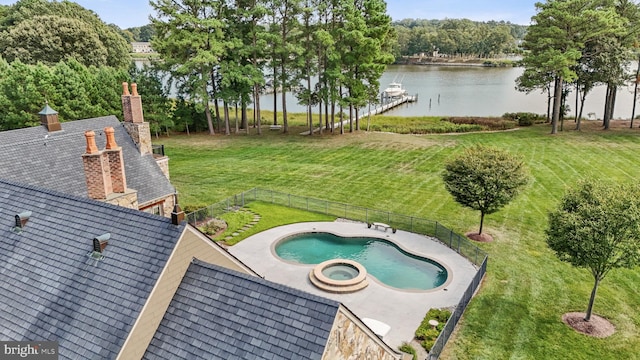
pixel 107 282
pixel 142 47
pixel 57 156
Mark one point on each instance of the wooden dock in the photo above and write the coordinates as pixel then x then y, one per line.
pixel 376 111
pixel 390 105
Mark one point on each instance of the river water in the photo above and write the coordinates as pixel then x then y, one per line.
pixel 473 91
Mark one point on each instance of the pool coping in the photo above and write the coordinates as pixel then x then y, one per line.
pixel 402 310
pixel 369 275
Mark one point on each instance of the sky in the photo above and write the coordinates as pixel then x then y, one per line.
pixel 131 13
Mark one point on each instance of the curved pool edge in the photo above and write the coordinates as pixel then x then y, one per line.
pixel 366 232
pixel 402 310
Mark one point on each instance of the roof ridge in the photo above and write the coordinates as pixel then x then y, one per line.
pixel 85 200
pixel 58 135
pixel 264 282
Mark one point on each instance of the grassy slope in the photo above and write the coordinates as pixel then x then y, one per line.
pixel 516 315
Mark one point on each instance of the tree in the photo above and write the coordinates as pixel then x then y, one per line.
pixel 32 40
pixel 189 35
pixel 597 227
pixel 40 30
pixel 484 179
pixel 561 30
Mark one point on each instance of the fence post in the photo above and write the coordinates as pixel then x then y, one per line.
pixel 451 239
pixel 458 244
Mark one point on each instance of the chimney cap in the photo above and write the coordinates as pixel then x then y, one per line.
pixel 47 110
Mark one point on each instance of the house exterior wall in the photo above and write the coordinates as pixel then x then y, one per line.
pixel 349 340
pixel 141 135
pixel 191 244
pixel 141 47
pixel 128 199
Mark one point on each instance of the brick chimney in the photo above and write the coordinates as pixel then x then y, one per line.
pixel 116 162
pixel 126 102
pixel 96 169
pixel 136 105
pixel 49 118
pixel 134 122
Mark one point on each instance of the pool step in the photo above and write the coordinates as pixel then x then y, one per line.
pixel 336 288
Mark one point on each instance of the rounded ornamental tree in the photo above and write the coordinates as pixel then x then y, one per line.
pixel 597 227
pixel 485 179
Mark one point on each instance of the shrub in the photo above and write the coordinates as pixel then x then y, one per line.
pixel 428 344
pixel 406 348
pixel 213 226
pixel 427 335
pixel 429 128
pixel 525 118
pixel 484 122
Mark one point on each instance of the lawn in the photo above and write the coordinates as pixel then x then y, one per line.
pixel 517 313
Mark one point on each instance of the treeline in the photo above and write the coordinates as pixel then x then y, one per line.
pixel 139 33
pixel 74 90
pixel 577 45
pixel 218 52
pixel 457 37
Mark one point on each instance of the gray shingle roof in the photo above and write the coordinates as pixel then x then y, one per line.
pixel 222 314
pixel 49 287
pixel 55 162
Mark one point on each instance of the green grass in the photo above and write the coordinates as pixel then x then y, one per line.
pixel 517 313
pixel 271 216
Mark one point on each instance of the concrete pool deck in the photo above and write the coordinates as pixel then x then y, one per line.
pixel 402 310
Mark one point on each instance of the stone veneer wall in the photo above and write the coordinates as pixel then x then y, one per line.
pixel 128 199
pixel 348 341
pixel 167 206
pixel 163 163
pixel 141 135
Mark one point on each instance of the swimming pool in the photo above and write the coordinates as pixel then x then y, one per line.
pixel 383 259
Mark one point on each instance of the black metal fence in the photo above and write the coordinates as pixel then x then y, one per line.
pixel 412 224
pixel 157 150
pixel 456 314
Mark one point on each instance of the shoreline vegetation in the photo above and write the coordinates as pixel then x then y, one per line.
pixel 456 61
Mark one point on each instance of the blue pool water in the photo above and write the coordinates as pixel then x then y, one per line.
pixel 382 259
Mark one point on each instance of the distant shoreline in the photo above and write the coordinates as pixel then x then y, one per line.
pixel 429 61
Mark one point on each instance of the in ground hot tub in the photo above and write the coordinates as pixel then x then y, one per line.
pixel 339 276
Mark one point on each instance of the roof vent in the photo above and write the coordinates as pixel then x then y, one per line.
pixel 100 242
pixel 21 221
